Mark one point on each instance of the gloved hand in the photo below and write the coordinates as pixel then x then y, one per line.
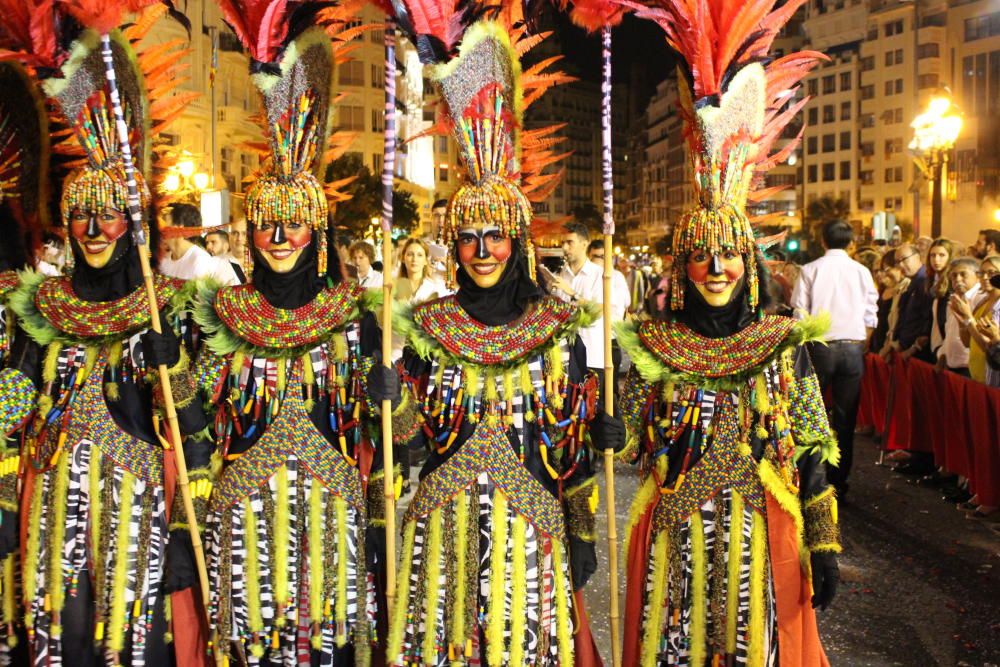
pixel 180 569
pixel 383 383
pixel 607 431
pixel 374 547
pixel 161 349
pixel 9 533
pixel 582 561
pixel 825 575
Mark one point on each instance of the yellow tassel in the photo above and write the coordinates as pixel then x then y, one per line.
pixel 555 364
pixel 761 401
pixel 235 365
pixel 114 353
pixel 117 616
pixel 400 610
pixel 31 550
pixel 56 585
pixel 758 564
pixel 526 386
pixel 668 391
pixel 51 362
pixel 433 583
pixel 470 379
pixel 490 388
pixel 308 375
pixel 281 374
pixel 340 348
pixel 112 391
pixel 496 619
pixel 281 542
pixel 657 600
pixel 698 594
pixel 461 544
pixel 734 563
pixel 254 619
pixel 89 361
pixel 563 633
pixel 519 592
pixel 508 385
pixel 315 552
pixel 340 611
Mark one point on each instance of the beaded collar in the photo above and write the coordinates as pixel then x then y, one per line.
pixel 245 313
pixel 8 281
pixel 464 338
pixel 49 310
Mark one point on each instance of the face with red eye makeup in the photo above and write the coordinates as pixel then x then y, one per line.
pixel 715 276
pixel 483 251
pixel 97 233
pixel 281 243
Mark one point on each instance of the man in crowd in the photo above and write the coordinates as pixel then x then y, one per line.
pixel 438 253
pixel 913 329
pixel 837 284
pixel 238 239
pixel 987 244
pixel 636 283
pixel 362 255
pixel 953 353
pixel 185 260
pixel 583 280
pixel 217 244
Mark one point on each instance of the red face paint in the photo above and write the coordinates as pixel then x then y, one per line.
pixel 297 236
pixel 111 224
pixel 700 263
pixel 483 254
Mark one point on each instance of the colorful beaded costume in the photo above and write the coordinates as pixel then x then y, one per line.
pixel 730 432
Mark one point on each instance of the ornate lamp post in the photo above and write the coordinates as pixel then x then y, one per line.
pixel 934 134
pixel 183 181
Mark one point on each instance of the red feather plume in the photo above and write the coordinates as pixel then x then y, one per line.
pixel 28 33
pixel 593 15
pixel 260 25
pixel 102 16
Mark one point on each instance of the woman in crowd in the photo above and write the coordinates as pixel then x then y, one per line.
pixel 939 256
pixel 969 313
pixel 892 283
pixel 417 282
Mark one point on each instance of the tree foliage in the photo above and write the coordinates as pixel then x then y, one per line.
pixel 355 214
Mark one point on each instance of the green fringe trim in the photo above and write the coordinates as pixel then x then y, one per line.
pixel 828 449
pixel 652 368
pixel 223 341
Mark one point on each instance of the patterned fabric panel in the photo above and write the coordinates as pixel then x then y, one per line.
pixel 208 368
pixel 449 324
pixel 488 450
pixel 681 349
pixel 633 399
pixel 806 411
pixel 17 398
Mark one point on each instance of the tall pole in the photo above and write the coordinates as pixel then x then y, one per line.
pixel 937 197
pixel 214 71
pixel 609 375
pixel 388 168
pixel 916 107
pixel 142 244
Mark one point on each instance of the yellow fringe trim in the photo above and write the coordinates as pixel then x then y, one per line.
pixel 31 552
pixel 495 620
pixel 758 563
pixel 51 362
pixel 254 619
pixel 658 598
pixel 114 353
pixel 340 611
pixel 461 545
pixel 508 385
pixel 315 552
pixel 8 589
pixel 563 635
pixel 308 375
pixel 432 580
pixel 734 562
pixel 56 586
pixel 117 616
pixel 281 543
pixel 644 497
pixel 698 594
pixel 525 376
pixel 399 613
pixel 519 592
pixel 761 401
pixel 281 374
pixel 490 388
pixel 236 364
pixel 789 502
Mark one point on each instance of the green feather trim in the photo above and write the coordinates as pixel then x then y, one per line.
pixel 653 369
pixel 427 347
pixel 828 448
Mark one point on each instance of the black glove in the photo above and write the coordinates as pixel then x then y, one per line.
pixel 582 561
pixel 10 533
pixel 383 383
pixel 161 349
pixel 375 547
pixel 607 432
pixel 825 575
pixel 180 569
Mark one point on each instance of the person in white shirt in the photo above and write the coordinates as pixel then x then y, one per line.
pixel 953 354
pixel 583 280
pixel 217 245
pixel 185 260
pixel 845 289
pixel 362 255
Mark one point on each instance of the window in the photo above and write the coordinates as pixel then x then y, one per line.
pixel 845 170
pixel 829 171
pixel 899 86
pixel 893 203
pixel 829 143
pixel 893 146
pixel 898 115
pixel 845 81
pixel 378 76
pixel 845 141
pixel 927 81
pixel 829 113
pixel 811 146
pixel 811 87
pixel 845 111
pixel 442 173
pixel 890 58
pixel 867 92
pixel 893 28
pixel 378 120
pixel 867 63
pixel 928 50
pixel 813 116
pixel 829 84
pixel 377 36
pixel 811 171
pixel 867 177
pixel 872 33
pixel 894 175
pixel 889 87
pixel 867 149
pixel 867 204
pixel 867 120
pixel 982 26
pixel 351 117
pixel 351 73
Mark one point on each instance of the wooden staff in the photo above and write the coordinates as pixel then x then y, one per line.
pixel 609 374
pixel 135 213
pixel 388 166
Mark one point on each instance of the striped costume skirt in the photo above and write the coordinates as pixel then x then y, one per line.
pixel 708 594
pixel 288 575
pixel 479 585
pixel 96 551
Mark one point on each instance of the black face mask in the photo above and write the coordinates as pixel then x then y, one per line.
pixel 121 276
pixel 299 286
pixel 504 302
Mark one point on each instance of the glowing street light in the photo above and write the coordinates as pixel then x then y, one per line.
pixel 935 132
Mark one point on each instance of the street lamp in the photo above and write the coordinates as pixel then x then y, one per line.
pixel 935 132
pixel 183 180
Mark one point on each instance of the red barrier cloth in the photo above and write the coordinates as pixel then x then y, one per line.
pixel 958 445
pixel 927 420
pixel 982 421
pixel 874 393
pixel 899 416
